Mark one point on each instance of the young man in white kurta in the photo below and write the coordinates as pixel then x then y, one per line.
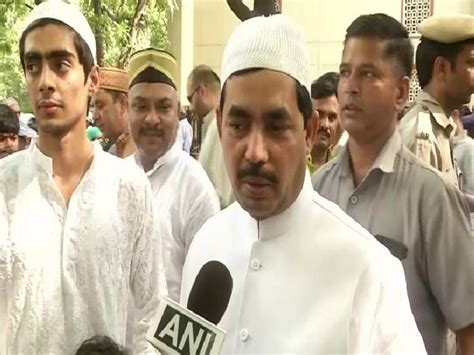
pixel 77 237
pixel 306 277
pixel 66 272
pixel 184 197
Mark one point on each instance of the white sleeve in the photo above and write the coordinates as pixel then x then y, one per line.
pixel 147 282
pixel 382 321
pixel 4 272
pixel 203 206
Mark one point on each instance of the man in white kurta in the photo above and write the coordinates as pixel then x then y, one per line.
pixel 77 237
pixel 212 160
pixel 184 199
pixel 66 271
pixel 307 278
pixel 183 195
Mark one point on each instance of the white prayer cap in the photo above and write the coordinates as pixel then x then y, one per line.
pixel 26 131
pixel 273 42
pixel 448 28
pixel 68 14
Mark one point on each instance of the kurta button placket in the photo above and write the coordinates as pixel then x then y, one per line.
pixel 244 334
pixel 255 264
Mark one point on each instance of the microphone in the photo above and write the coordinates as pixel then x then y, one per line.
pixel 193 331
pixel 211 291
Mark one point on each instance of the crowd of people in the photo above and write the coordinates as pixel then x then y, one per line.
pixel 343 213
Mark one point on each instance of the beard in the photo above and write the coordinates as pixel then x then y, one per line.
pixel 58 127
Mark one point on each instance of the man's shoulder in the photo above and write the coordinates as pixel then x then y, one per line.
pixel 124 170
pixel 416 124
pixel 10 165
pixel 419 111
pixel 220 227
pixel 194 179
pixel 344 235
pixel 329 213
pixel 192 172
pixel 327 170
pixel 191 166
pixel 421 173
pixel 466 143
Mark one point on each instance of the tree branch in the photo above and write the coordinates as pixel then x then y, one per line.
pixel 110 13
pixel 239 9
pixel 98 34
pixel 133 34
pixel 260 7
pixel 122 4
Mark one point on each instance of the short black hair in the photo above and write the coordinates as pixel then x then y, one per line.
pixel 303 98
pixel 101 345
pixel 325 85
pixel 84 53
pixel 427 52
pixel 398 45
pixel 204 75
pixel 9 123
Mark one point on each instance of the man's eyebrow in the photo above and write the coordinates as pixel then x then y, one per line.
pixel 139 98
pixel 32 56
pixel 278 114
pixel 239 112
pixel 369 66
pixel 55 54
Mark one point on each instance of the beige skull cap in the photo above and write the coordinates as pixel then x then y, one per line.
pixel 448 28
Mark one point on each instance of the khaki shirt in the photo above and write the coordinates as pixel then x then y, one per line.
pixel 428 133
pixel 424 221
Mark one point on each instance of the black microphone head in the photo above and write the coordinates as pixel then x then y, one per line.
pixel 211 291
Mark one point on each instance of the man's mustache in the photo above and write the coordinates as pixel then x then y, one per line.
pixel 256 170
pixel 151 131
pixel 324 130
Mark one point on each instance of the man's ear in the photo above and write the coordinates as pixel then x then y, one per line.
pixel 123 101
pixel 94 80
pixel 310 131
pixel 403 91
pixel 441 66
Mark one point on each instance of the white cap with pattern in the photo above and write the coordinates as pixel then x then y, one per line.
pixel 273 42
pixel 68 14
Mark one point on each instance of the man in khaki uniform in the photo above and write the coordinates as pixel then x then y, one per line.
pixel 444 64
pixel 409 207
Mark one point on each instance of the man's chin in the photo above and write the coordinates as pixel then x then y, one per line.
pixel 257 208
pixel 56 127
pixel 152 151
pixel 321 146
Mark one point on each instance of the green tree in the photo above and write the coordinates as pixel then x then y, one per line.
pixel 121 27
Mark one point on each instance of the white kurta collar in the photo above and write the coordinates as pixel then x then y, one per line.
pixel 44 162
pixel 169 157
pixel 276 226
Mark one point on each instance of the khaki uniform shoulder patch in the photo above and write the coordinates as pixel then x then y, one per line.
pixel 423 123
